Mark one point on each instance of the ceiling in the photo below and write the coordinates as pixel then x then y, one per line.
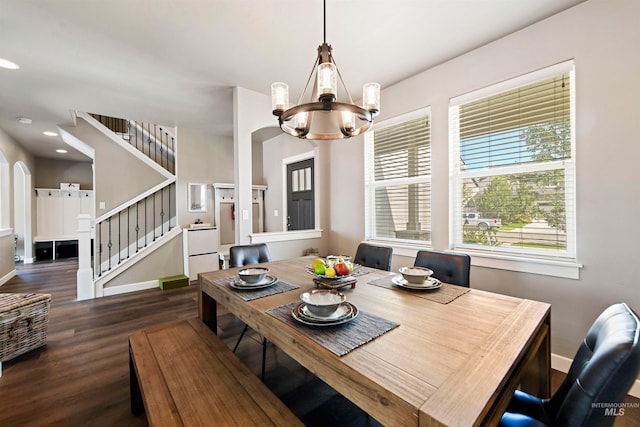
pixel 175 62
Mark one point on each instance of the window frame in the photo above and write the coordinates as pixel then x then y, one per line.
pixel 561 264
pixel 371 184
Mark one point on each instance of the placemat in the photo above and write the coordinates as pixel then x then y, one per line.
pixel 251 294
pixel 339 339
pixel 362 271
pixel 444 295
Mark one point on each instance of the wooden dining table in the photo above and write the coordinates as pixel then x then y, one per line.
pixel 444 363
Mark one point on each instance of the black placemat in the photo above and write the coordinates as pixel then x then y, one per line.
pixel 339 339
pixel 444 294
pixel 252 294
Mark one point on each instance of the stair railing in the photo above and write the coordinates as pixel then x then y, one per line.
pixel 154 141
pixel 124 233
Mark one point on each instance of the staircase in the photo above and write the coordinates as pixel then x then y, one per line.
pixel 125 235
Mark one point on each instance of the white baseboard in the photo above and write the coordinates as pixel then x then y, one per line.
pixel 4 279
pixel 29 260
pixel 562 364
pixel 131 287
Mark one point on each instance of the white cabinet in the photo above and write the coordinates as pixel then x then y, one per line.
pixel 200 251
pixel 57 212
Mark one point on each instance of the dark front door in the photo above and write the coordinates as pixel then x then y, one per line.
pixel 300 189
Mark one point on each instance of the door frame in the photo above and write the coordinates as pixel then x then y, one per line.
pixel 295 159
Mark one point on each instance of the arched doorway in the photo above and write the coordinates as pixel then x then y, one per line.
pixel 22 218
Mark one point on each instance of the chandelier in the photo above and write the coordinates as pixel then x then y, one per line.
pixel 325 118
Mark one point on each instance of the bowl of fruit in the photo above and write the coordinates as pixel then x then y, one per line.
pixel 331 268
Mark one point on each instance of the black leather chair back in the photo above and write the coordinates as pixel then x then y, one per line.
pixel 603 370
pixel 374 256
pixel 448 267
pixel 242 255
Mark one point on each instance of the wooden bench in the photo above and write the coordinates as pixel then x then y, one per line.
pixel 182 374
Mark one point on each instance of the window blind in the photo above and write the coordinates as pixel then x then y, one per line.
pixel 512 159
pixel 398 181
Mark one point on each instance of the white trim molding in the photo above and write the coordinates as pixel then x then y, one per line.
pixel 562 364
pixel 284 236
pixel 4 279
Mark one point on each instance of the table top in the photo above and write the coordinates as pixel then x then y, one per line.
pixel 445 364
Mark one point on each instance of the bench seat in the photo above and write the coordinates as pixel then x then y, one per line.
pixel 182 374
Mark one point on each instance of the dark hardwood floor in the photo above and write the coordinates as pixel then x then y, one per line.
pixel 81 377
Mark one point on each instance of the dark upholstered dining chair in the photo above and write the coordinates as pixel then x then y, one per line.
pixel 601 374
pixel 374 256
pixel 448 267
pixel 242 255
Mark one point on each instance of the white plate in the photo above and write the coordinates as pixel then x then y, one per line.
pixel 264 283
pixel 342 311
pixel 430 283
pixel 296 313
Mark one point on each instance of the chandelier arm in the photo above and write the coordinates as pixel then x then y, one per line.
pixel 315 65
pixel 341 80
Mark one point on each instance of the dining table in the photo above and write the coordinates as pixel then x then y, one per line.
pixel 443 356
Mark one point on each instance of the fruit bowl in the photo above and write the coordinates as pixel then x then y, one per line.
pixel 332 267
pixel 322 302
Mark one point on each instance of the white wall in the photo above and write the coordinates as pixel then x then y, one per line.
pixel 601 36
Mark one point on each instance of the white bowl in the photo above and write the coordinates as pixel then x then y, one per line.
pixel 322 302
pixel 415 275
pixel 253 275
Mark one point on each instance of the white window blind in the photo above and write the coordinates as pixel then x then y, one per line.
pixel 512 156
pixel 398 179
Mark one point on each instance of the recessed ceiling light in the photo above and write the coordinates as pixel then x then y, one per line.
pixel 25 120
pixel 49 133
pixel 5 63
pixel 61 151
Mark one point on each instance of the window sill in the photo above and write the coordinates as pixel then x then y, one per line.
pixel 284 236
pixel 547 267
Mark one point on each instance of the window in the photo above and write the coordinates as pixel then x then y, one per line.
pixel 398 179
pixel 512 153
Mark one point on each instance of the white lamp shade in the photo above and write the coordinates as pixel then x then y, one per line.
pixel 348 120
pixel 327 79
pixel 301 121
pixel 371 96
pixel 279 96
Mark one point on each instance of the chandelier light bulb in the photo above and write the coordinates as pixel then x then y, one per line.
pixel 327 80
pixel 371 96
pixel 279 96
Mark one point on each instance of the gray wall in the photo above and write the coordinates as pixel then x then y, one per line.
pixel 51 172
pixel 12 152
pixel 202 158
pixel 601 36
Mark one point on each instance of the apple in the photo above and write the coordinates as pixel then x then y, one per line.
pixel 342 269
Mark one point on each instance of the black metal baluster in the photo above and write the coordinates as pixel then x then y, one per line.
pixel 119 243
pixel 162 212
pixel 99 250
pixel 155 145
pixel 170 206
pixel 110 244
pixel 128 231
pixel 137 226
pixel 154 215
pixel 145 221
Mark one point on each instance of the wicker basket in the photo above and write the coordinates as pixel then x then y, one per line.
pixel 23 323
